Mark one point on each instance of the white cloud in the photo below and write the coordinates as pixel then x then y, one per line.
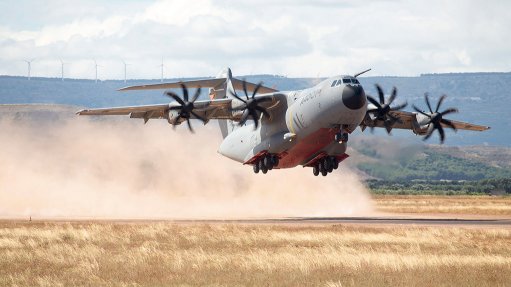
pixel 294 38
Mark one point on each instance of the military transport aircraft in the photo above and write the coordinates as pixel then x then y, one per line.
pixel 308 127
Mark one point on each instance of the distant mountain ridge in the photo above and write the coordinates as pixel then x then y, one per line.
pixel 482 98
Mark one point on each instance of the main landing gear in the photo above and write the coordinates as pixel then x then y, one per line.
pixel 266 163
pixel 325 165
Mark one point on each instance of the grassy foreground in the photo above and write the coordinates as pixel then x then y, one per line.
pixel 157 254
pixel 467 205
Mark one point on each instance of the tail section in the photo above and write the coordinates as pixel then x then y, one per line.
pixel 224 91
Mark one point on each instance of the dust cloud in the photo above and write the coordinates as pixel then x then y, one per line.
pixel 102 168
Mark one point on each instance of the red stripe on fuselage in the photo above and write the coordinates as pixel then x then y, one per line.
pixel 306 148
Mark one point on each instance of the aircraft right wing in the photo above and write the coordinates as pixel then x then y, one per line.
pixel 207 109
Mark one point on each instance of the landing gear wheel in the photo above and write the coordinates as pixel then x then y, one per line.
pixel 324 172
pixel 336 163
pixel 256 167
pixel 331 163
pixel 275 160
pixel 315 170
pixel 338 137
pixel 345 137
pixel 262 167
pixel 326 164
pixel 268 162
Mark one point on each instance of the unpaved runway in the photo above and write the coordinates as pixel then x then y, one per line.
pixel 373 221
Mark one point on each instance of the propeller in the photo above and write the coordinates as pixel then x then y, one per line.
pixel 250 106
pixel 185 107
pixel 435 119
pixel 382 109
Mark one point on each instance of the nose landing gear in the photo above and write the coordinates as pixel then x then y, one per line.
pixel 266 163
pixel 341 137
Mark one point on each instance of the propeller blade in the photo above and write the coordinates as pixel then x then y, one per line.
pixel 240 108
pixel 426 96
pixel 263 111
pixel 245 89
pixel 244 117
pixel 198 117
pixel 397 108
pixel 197 94
pixel 185 92
pixel 449 124
pixel 392 95
pixel 380 94
pixel 176 98
pixel 441 132
pixel 421 112
pixel 449 111
pixel 442 98
pixel 374 102
pixel 255 118
pixel 256 89
pixel 395 119
pixel 190 125
pixel 431 128
pixel 236 96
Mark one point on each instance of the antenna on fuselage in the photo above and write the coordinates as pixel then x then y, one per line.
pixel 358 74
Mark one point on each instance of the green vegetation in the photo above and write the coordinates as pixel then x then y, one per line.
pixel 433 170
pixel 431 165
pixel 486 186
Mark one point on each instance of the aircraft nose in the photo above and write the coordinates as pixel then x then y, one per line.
pixel 353 97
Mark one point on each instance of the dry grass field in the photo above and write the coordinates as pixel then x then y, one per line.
pixel 220 254
pixel 467 205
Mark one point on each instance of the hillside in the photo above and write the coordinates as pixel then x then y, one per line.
pixel 482 98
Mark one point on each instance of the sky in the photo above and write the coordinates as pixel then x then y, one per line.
pixel 293 38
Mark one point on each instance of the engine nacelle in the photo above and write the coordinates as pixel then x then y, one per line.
pixel 172 116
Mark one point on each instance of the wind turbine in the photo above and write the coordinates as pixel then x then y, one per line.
pixel 125 65
pixel 29 63
pixel 96 66
pixel 62 63
pixel 162 65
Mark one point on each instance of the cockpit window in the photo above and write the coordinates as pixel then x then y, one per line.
pixel 333 84
pixel 355 81
pixel 346 80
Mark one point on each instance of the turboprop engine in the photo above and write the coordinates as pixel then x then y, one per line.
pixel 172 116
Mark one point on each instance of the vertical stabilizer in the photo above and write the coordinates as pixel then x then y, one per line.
pixel 224 91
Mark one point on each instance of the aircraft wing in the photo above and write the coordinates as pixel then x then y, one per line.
pixel 412 121
pixel 468 126
pixel 207 109
pixel 204 83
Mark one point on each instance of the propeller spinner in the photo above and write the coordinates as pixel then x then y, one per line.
pixel 382 108
pixel 186 107
pixel 250 106
pixel 435 119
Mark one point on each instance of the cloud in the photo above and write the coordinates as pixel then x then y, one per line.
pixel 295 38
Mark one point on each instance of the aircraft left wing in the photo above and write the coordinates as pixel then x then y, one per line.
pixel 203 83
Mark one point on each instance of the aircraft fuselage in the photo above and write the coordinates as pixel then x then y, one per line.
pixel 305 127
